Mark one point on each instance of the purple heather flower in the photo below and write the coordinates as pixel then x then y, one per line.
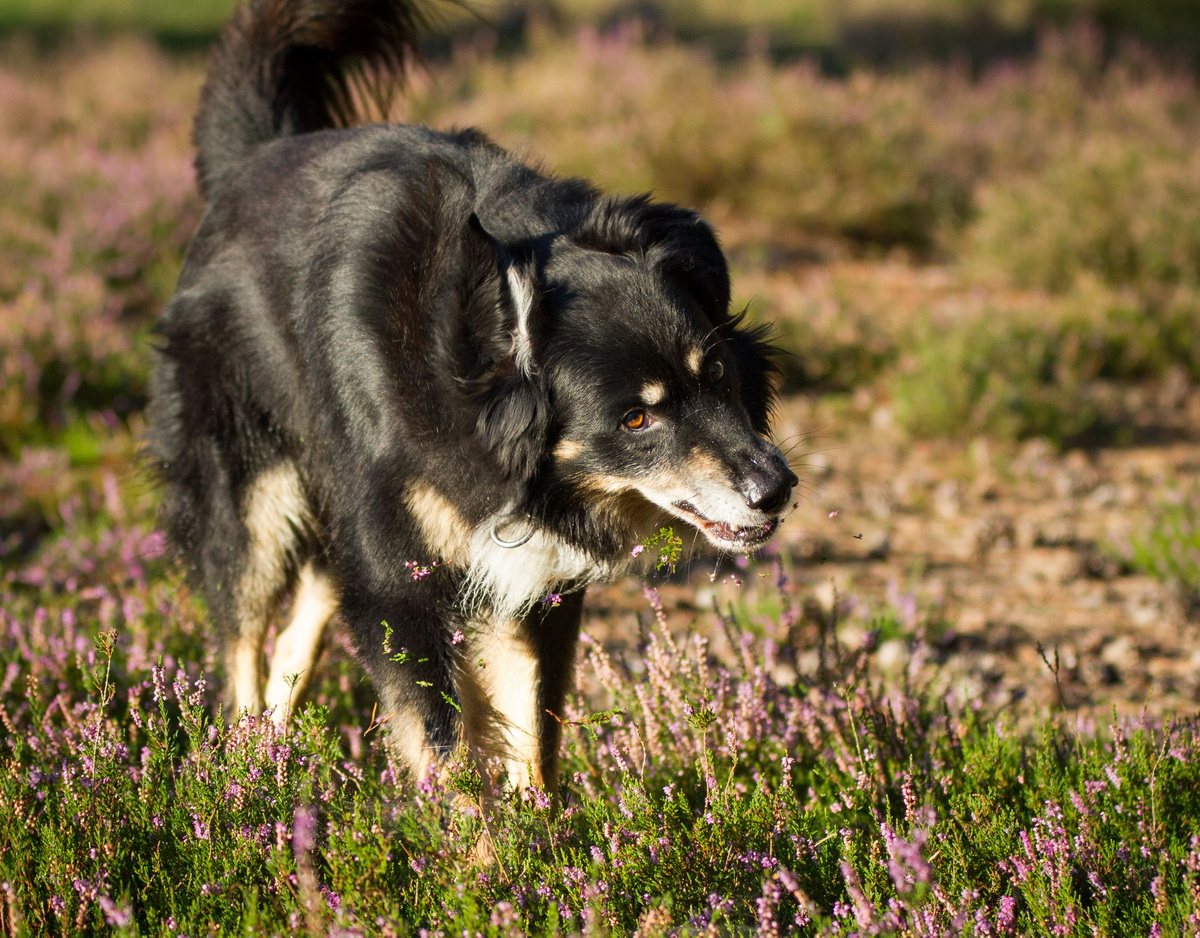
pixel 303 830
pixel 767 923
pixel 114 915
pixel 504 915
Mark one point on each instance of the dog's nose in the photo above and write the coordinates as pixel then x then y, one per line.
pixel 768 489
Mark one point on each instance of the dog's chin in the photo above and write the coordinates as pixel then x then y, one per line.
pixel 742 539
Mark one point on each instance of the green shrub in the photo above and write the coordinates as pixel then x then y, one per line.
pixel 1092 171
pixel 1040 370
pixel 1117 209
pixel 992 374
pixel 1168 547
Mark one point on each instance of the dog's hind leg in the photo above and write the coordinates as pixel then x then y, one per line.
pixel 275 515
pixel 296 646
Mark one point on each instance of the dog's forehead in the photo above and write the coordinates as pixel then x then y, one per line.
pixel 623 299
pixel 645 361
pixel 621 326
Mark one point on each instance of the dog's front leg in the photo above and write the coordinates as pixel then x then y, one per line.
pixel 525 668
pixel 405 640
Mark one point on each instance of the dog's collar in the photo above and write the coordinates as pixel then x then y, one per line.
pixel 500 542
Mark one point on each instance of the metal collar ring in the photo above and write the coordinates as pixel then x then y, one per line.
pixel 500 542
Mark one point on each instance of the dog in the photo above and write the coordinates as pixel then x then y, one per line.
pixel 406 378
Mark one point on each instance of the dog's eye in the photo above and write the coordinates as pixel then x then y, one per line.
pixel 716 371
pixel 636 420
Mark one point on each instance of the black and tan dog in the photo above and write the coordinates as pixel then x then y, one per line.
pixel 411 380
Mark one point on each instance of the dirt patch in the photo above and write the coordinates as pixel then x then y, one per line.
pixel 1007 559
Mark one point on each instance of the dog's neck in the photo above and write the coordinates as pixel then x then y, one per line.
pixel 516 564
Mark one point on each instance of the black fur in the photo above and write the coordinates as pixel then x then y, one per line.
pixel 369 315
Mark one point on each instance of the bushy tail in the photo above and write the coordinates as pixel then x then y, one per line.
pixel 285 67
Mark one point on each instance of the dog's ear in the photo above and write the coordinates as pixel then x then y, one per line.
pixel 687 252
pixel 514 412
pixel 675 239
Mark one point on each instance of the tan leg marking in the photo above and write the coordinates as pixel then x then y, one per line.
pixel 243 670
pixel 444 528
pixel 276 513
pixel 296 646
pixel 405 728
pixel 511 678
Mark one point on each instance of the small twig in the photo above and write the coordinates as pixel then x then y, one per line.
pixel 375 724
pixel 1054 669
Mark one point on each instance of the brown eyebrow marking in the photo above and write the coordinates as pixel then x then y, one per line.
pixel 695 359
pixel 568 449
pixel 653 393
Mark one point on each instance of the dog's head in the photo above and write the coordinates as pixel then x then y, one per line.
pixel 629 383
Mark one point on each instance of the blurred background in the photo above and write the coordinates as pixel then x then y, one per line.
pixel 974 224
pixel 841 34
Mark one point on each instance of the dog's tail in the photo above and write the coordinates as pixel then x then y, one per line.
pixel 285 67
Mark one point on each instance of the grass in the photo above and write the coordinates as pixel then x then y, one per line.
pixel 199 16
pixel 982 253
pixel 747 796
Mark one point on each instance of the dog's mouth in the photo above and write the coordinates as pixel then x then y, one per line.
pixel 728 536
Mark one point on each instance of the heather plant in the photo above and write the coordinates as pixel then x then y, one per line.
pixel 794 149
pixel 1093 181
pixel 991 375
pixel 725 786
pixel 1013 373
pixel 1112 208
pixel 97 204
